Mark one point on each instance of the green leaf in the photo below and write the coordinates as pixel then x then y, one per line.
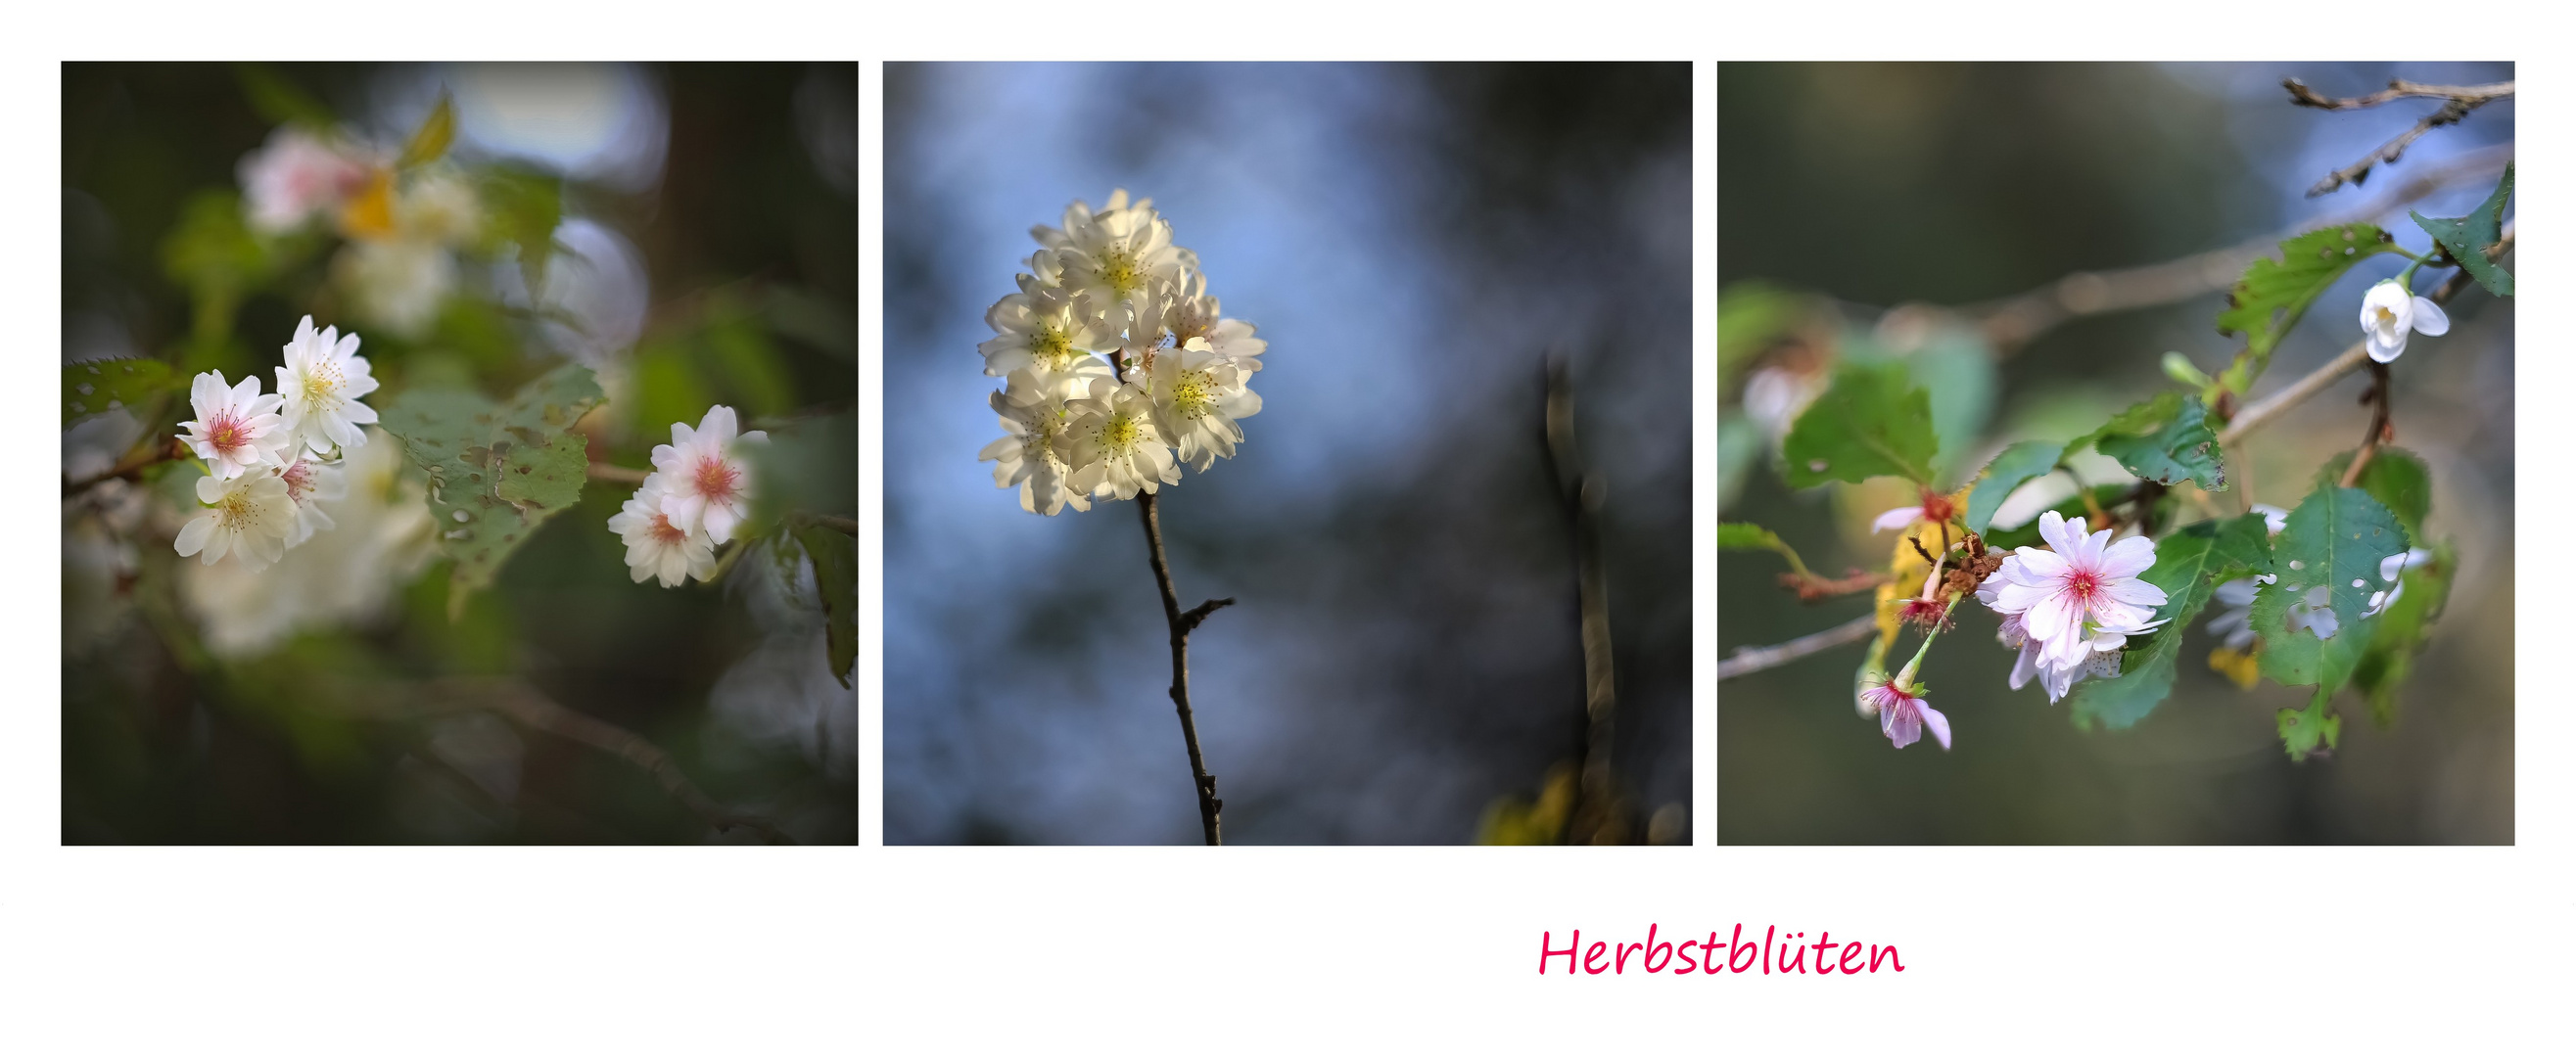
pixel 1873 421
pixel 836 579
pixel 1751 316
pixel 2403 628
pixel 2183 448
pixel 1741 536
pixel 2009 470
pixel 525 207
pixel 2271 297
pixel 1739 444
pixel 430 141
pixel 2188 565
pixel 2304 729
pixel 211 251
pixel 2467 238
pixel 106 385
pixel 496 471
pixel 2141 417
pixel 2335 539
pixel 2395 477
pixel 279 101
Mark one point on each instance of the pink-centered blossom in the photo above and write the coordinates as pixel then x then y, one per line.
pixel 707 474
pixel 236 428
pixel 2085 586
pixel 1935 508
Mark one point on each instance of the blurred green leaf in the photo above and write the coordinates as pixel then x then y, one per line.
pixel 1873 421
pixel 2188 566
pixel 2009 469
pixel 2334 540
pixel 2184 448
pixel 1751 315
pixel 2395 477
pixel 524 206
pixel 1741 536
pixel 279 101
pixel 2466 238
pixel 2403 628
pixel 211 251
pixel 836 579
pixel 2271 297
pixel 1739 446
pixel 496 472
pixel 105 385
pixel 1956 369
pixel 430 141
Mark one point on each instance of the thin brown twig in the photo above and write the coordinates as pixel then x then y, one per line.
pixel 2377 398
pixel 130 467
pixel 600 471
pixel 1599 815
pixel 1181 625
pixel 2458 100
pixel 2257 414
pixel 1750 659
pixel 2012 322
pixel 525 705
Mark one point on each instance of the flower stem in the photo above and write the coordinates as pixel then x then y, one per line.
pixel 1905 678
pixel 1180 624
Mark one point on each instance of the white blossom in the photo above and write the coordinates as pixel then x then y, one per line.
pixel 310 483
pixel 2389 310
pixel 1122 258
pixel 1198 395
pixel 236 428
pixel 2085 585
pixel 1052 337
pixel 323 381
pixel 1031 454
pixel 295 176
pixel 249 516
pixel 656 545
pixel 1116 449
pixel 707 474
pixel 382 536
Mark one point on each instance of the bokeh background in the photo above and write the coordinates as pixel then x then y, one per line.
pixel 1877 186
pixel 1413 241
pixel 706 252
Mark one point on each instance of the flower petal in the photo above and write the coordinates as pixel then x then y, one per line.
pixel 2429 318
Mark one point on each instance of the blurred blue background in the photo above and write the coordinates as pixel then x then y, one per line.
pixel 1412 241
pixel 1885 188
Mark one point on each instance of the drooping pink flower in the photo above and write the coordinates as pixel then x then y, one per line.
pixel 1902 715
pixel 1935 508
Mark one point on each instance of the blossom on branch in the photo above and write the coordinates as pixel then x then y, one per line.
pixel 236 428
pixel 1902 715
pixel 2389 310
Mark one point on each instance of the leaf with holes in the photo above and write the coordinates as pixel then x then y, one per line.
pixel 496 471
pixel 2403 627
pixel 2272 295
pixel 1873 421
pixel 2183 448
pixel 106 385
pixel 2467 238
pixel 2188 566
pixel 2328 556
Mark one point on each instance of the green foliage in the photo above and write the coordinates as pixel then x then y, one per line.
pixel 2189 566
pixel 496 472
pixel 1750 316
pixel 2395 477
pixel 106 385
pixel 1873 421
pixel 524 207
pixel 1739 446
pixel 279 100
pixel 430 141
pixel 1742 536
pixel 2184 448
pixel 2466 238
pixel 2141 417
pixel 2335 539
pixel 2009 470
pixel 836 580
pixel 1957 372
pixel 2026 534
pixel 2403 628
pixel 2303 730
pixel 2271 297
pixel 211 252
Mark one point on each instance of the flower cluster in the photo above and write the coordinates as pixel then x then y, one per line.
pixel 2070 609
pixel 403 227
pixel 1176 378
pixel 272 458
pixel 696 497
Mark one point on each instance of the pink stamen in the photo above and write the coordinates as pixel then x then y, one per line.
pixel 716 480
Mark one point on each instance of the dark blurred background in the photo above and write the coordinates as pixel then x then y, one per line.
pixel 1413 241
pixel 1885 185
pixel 707 254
